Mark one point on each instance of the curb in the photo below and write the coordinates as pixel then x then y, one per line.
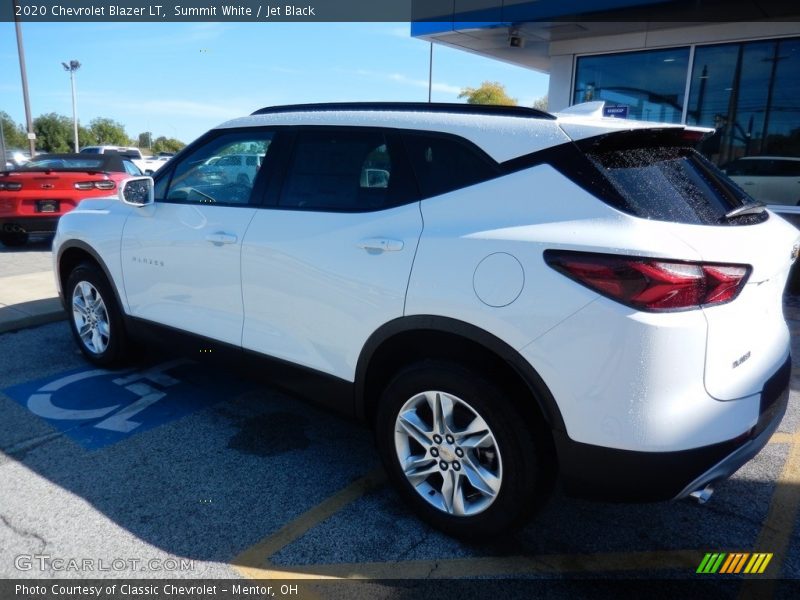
pixel 30 314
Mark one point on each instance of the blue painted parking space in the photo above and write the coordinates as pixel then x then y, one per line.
pixel 97 407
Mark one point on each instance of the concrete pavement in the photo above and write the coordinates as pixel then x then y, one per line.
pixel 28 300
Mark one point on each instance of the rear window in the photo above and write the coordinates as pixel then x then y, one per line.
pixel 89 163
pixel 671 183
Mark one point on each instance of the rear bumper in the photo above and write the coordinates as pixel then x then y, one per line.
pixel 609 474
pixel 47 223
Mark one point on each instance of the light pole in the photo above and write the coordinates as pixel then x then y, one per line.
pixel 25 97
pixel 73 66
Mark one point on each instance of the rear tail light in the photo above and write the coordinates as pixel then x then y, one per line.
pixel 10 186
pixel 651 284
pixel 105 184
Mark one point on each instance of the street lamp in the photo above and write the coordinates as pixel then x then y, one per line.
pixel 73 66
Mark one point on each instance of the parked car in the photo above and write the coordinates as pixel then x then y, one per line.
pixel 768 179
pixel 130 153
pixel 520 298
pixel 239 168
pixel 34 196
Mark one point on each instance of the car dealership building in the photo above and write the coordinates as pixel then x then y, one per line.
pixel 735 67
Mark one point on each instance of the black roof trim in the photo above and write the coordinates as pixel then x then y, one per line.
pixel 434 107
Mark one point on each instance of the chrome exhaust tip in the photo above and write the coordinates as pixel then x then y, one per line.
pixel 703 495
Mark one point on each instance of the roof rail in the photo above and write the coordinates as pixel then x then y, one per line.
pixel 434 107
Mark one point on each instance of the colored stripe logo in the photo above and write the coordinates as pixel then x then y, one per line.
pixel 734 563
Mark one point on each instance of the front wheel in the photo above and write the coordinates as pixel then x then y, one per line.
pixel 458 451
pixel 95 317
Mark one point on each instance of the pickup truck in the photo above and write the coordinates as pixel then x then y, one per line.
pixel 148 166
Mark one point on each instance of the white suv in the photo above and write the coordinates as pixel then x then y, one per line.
pixel 520 298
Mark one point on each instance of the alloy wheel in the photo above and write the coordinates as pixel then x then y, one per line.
pixel 448 453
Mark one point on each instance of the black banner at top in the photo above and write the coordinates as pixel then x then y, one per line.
pixel 462 12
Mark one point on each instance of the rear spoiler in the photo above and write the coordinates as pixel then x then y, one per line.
pixel 592 120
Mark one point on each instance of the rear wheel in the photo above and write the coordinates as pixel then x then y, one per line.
pixel 95 317
pixel 458 451
pixel 13 240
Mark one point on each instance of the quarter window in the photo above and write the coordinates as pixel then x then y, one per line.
pixel 131 169
pixel 220 171
pixel 443 164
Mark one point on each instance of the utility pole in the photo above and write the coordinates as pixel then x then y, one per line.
pixel 26 97
pixel 73 66
pixel 2 147
pixel 430 74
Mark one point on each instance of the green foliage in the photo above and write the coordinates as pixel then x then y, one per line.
pixel 108 132
pixel 53 133
pixel 245 148
pixel 86 137
pixel 489 92
pixel 540 103
pixel 13 134
pixel 165 144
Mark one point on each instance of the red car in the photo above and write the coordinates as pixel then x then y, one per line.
pixel 33 197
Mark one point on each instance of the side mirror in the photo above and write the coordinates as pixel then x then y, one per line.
pixel 137 191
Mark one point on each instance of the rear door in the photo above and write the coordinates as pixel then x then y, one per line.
pixel 329 261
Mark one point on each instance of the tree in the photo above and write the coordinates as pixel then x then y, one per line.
pixel 489 92
pixel 540 103
pixel 164 144
pixel 13 134
pixel 108 132
pixel 145 139
pixel 86 137
pixel 53 132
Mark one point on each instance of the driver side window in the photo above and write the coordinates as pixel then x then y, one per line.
pixel 221 171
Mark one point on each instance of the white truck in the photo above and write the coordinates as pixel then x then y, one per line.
pixel 148 165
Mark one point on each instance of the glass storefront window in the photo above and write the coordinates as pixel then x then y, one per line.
pixel 750 93
pixel 650 83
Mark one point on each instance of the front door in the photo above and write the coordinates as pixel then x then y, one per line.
pixel 181 256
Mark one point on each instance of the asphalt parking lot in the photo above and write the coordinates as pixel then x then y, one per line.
pixel 183 469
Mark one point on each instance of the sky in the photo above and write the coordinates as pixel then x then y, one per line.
pixel 181 79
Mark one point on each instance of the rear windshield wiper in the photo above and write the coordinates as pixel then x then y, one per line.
pixel 751 208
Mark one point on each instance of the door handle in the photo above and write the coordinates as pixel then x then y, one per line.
pixel 220 237
pixel 380 245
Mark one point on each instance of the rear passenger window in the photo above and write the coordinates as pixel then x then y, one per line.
pixel 444 164
pixel 345 171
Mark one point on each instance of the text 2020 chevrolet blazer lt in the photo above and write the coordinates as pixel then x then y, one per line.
pixel 506 296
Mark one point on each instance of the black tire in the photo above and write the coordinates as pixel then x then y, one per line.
pixel 525 480
pixel 115 351
pixel 14 240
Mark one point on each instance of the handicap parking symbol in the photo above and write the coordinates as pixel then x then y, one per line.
pixel 98 407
